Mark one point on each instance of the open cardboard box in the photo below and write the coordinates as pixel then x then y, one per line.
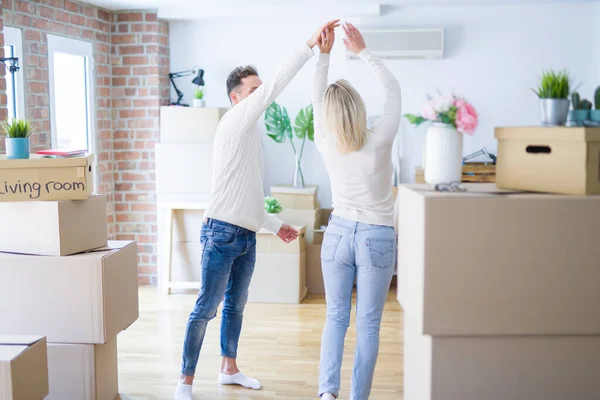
pixel 23 367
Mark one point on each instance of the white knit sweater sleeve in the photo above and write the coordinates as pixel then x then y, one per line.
pixel 319 88
pixel 248 111
pixel 271 223
pixel 389 121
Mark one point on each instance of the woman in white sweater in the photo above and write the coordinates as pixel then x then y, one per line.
pixel 360 242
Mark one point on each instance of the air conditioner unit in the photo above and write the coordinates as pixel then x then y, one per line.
pixel 403 43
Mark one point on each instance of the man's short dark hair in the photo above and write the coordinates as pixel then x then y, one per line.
pixel 235 77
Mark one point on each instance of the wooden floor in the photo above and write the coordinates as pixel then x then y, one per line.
pixel 279 346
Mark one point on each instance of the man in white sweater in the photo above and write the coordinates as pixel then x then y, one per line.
pixel 234 215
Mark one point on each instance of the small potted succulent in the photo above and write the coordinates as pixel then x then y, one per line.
pixel 553 91
pixel 17 133
pixel 595 113
pixel 581 109
pixel 199 97
pixel 272 205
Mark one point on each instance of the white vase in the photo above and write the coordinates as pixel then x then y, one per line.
pixel 199 103
pixel 443 154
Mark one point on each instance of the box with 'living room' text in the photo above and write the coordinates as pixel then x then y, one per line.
pixel 23 367
pixel 53 228
pixel 41 178
pixel 83 298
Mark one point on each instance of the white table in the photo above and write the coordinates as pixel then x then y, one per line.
pixel 169 209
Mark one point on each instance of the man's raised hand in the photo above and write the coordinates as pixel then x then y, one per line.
pixel 312 42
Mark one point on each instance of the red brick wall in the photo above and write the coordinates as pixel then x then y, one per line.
pixel 3 100
pixel 131 57
pixel 78 21
pixel 140 60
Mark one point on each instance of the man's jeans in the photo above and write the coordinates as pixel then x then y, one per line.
pixel 367 253
pixel 228 257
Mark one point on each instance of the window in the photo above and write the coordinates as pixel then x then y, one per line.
pixel 71 74
pixel 14 82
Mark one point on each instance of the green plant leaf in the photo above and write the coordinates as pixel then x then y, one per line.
pixel 554 85
pixel 17 128
pixel 304 124
pixel 272 205
pixel 415 119
pixel 278 123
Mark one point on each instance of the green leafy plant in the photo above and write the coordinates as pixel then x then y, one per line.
pixel 554 85
pixel 199 94
pixel 597 99
pixel 279 127
pixel 272 205
pixel 17 128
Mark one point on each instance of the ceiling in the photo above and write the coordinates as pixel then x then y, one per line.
pixel 198 9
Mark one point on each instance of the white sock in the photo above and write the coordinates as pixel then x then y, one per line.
pixel 327 396
pixel 239 379
pixel 183 391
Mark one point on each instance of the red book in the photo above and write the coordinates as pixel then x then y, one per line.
pixel 61 153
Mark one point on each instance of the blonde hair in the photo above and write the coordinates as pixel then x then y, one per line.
pixel 345 115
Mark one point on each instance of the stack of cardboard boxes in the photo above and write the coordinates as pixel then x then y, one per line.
pixel 59 275
pixel 499 284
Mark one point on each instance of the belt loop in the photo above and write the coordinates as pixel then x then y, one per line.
pixel 209 222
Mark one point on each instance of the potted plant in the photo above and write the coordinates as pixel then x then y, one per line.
pixel 199 97
pixel 595 113
pixel 279 128
pixel 17 138
pixel 272 205
pixel 553 91
pixel 451 117
pixel 581 110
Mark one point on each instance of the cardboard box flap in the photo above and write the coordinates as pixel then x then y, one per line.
pixel 37 161
pixel 541 134
pixel 19 340
pixel 8 353
pixel 308 189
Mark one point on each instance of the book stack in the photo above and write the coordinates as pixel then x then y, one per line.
pixel 60 277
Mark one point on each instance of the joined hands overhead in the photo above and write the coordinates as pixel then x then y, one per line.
pixel 353 40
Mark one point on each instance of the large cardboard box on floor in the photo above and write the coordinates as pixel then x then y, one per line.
pixel 314 273
pixel 296 198
pixel 554 160
pixel 83 298
pixel 278 278
pixel 494 262
pixel 499 367
pixel 53 228
pixel 83 371
pixel 189 124
pixel 23 368
pixel 39 178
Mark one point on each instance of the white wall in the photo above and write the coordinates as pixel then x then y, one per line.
pixel 494 56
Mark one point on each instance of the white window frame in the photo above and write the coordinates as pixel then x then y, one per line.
pixel 14 37
pixel 82 48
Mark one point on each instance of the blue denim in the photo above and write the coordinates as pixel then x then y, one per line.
pixel 228 257
pixel 365 253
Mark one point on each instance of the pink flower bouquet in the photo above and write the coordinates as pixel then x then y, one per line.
pixel 448 109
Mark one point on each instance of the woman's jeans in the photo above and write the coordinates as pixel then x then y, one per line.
pixel 367 253
pixel 228 257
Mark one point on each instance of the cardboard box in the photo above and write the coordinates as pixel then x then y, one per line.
pixel 278 278
pixel 53 228
pixel 266 242
pixel 323 222
pixel 184 168
pixel 23 368
pixel 499 367
pixel 189 124
pixel 40 178
pixel 553 160
pixel 494 262
pixel 84 298
pixel 83 371
pixel 296 198
pixel 314 272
